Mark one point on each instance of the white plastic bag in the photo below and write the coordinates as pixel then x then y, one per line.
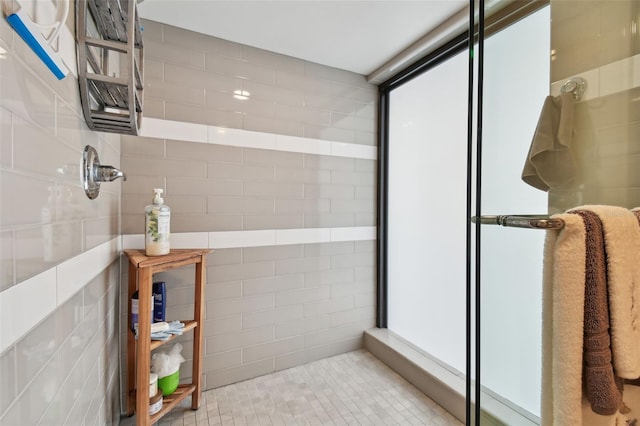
pixel 166 363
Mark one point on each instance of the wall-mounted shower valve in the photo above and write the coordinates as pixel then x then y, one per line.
pixel 93 172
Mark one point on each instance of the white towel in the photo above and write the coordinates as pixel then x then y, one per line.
pixel 622 244
pixel 562 402
pixel 562 323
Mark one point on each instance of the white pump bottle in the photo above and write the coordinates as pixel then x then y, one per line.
pixel 157 226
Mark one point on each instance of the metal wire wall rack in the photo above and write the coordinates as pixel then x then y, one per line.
pixel 110 64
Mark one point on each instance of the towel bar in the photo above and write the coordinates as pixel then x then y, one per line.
pixel 521 221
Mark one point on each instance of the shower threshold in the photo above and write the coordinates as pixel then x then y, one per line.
pixel 445 385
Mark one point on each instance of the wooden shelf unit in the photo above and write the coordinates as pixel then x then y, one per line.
pixel 141 270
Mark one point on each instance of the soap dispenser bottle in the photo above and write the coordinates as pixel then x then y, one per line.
pixel 157 218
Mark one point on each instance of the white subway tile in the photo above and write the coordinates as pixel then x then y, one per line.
pixel 616 77
pixel 191 132
pixel 188 240
pixel 24 305
pixel 635 71
pixel 229 239
pixel 241 138
pixel 73 274
pixel 593 89
pixel 306 145
pixel 168 129
pixel 360 233
pixel 342 149
pixel 53 287
pixel 258 238
pixel 303 236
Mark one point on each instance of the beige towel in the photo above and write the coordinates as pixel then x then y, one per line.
pixel 632 402
pixel 589 418
pixel 562 401
pixel 622 242
pixel 550 161
pixel 562 323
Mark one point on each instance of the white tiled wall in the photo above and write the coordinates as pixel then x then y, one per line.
pixel 59 266
pixel 598 42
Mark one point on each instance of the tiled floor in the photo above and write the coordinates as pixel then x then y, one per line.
pixel 349 389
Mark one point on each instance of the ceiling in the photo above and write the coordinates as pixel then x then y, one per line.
pixel 354 35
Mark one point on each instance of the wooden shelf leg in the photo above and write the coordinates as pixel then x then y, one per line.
pixel 144 353
pixel 198 313
pixel 131 344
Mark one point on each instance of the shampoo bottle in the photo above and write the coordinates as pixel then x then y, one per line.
pixel 135 310
pixel 157 218
pixel 159 301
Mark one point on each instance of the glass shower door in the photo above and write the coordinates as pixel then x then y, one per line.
pixel 533 58
pixel 515 82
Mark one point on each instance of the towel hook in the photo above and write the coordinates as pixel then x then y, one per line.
pixel 575 86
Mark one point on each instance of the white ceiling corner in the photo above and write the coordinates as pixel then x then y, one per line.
pixel 354 35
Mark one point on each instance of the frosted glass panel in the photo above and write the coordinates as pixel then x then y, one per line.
pixel 426 211
pixel 516 82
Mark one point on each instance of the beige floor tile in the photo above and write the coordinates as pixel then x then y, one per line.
pixel 349 389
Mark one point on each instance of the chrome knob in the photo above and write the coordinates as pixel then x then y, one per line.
pixel 93 173
pixel 108 174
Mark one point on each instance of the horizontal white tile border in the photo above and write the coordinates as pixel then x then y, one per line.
pixel 167 129
pixel 233 239
pixel 26 304
pixel 303 236
pixel 202 133
pixel 361 233
pixel 75 273
pixel 259 238
pixel 606 80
